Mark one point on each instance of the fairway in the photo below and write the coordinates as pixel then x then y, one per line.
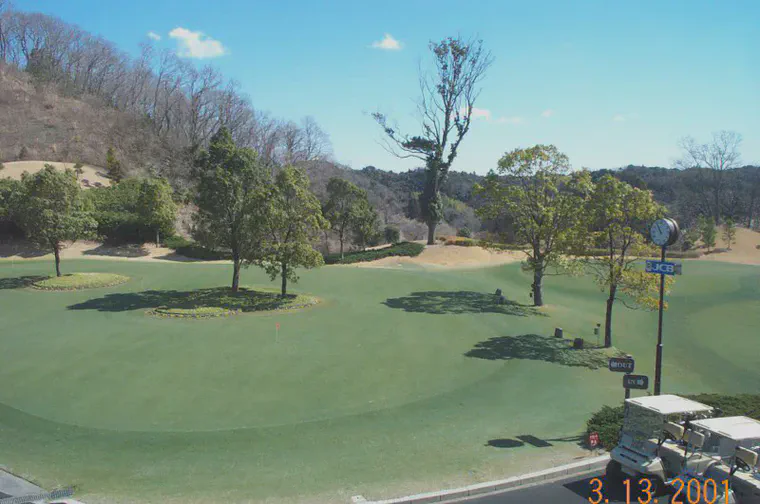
pixel 385 382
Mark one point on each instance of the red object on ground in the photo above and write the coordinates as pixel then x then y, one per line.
pixel 593 439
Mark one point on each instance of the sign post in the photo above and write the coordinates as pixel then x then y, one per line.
pixel 664 232
pixel 622 365
pixel 632 381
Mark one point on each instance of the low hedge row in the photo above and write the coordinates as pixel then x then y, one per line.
pixel 609 420
pixel 193 250
pixel 472 242
pixel 672 254
pixel 409 249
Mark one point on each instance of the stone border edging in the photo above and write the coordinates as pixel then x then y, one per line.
pixel 580 467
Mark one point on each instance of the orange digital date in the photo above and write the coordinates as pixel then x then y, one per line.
pixel 694 490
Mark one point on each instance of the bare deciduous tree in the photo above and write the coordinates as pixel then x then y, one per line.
pixel 447 99
pixel 712 160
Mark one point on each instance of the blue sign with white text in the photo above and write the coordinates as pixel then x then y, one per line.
pixel 663 268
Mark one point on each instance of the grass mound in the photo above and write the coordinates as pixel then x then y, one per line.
pixel 409 249
pixel 221 302
pixel 77 281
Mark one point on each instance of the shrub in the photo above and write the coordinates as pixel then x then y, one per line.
pixel 122 227
pixel 175 242
pixel 196 251
pixel 464 232
pixel 392 234
pixel 609 420
pixel 23 153
pixel 409 249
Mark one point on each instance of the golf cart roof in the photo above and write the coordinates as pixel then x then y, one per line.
pixel 668 404
pixel 736 428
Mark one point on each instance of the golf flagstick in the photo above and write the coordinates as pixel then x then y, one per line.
pixel 276 331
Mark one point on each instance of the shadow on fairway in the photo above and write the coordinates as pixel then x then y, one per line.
pixel 245 300
pixel 19 282
pixel 457 302
pixel 531 440
pixel 536 347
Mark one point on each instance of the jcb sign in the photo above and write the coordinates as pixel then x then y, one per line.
pixel 663 268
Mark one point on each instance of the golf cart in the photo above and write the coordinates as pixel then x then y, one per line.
pixel 651 440
pixel 724 449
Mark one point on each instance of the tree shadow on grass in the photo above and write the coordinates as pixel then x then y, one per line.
pixel 536 347
pixel 458 302
pixel 19 282
pixel 245 300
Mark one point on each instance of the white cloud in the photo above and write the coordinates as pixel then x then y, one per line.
pixel 388 43
pixel 478 113
pixel 153 35
pixel 509 120
pixel 625 117
pixel 196 44
pixel 547 113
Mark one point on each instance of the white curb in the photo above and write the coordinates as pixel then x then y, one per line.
pixel 580 467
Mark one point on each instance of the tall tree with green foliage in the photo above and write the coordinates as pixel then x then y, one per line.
pixel 10 191
pixel 50 210
pixel 229 179
pixel 447 100
pixel 729 232
pixel 343 199
pixel 708 230
pixel 618 218
pixel 156 206
pixel 290 218
pixel 534 189
pixel 366 224
pixel 114 169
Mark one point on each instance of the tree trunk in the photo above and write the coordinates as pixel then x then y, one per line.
pixel 538 292
pixel 57 261
pixel 431 232
pixel 158 239
pixel 284 280
pixel 341 245
pixel 235 272
pixel 608 317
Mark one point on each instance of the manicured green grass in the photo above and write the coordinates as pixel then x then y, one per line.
pixel 77 281
pixel 382 388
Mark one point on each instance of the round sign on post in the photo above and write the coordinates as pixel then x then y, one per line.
pixel 664 232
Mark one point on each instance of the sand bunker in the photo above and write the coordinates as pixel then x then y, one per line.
pixel 448 256
pixel 92 176
pixel 744 251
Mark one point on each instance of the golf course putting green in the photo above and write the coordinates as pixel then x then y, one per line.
pixel 384 382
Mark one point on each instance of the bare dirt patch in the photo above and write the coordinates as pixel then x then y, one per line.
pixel 449 256
pixel 92 176
pixel 744 251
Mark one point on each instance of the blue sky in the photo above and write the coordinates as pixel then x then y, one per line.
pixel 609 83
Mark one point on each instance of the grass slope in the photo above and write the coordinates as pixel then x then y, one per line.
pixel 77 281
pixel 379 389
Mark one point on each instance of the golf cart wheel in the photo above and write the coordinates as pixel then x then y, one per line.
pixel 614 472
